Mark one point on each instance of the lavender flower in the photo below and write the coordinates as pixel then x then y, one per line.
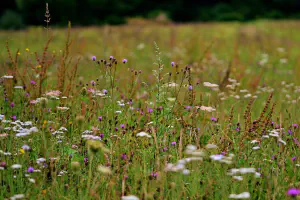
pixel 30 169
pixel 190 88
pixel 93 58
pixel 32 82
pixel 122 126
pixel 294 158
pixel 172 64
pixel 14 117
pixel 124 156
pixel 111 57
pixel 290 132
pixel 293 192
pixel 100 118
pixel 12 104
pixel 105 91
pixel 173 143
pixel 124 60
pixel 150 110
pixel 213 119
pixel 101 135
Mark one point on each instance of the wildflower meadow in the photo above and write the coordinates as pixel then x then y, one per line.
pixel 191 111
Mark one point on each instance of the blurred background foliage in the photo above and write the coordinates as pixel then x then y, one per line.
pixel 17 14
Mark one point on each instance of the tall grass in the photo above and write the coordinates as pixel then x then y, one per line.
pixel 218 122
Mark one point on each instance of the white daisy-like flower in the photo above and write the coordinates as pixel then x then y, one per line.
pixel 143 134
pixel 16 166
pixel 7 77
pixel 207 108
pixel 129 197
pixel 244 195
pixel 211 85
pixel 17 196
pixel 217 157
pixel 256 148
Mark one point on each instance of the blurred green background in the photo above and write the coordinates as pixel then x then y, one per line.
pixel 17 14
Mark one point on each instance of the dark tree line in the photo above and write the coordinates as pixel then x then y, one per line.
pixel 16 14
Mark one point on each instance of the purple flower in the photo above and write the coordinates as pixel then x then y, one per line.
pixel 86 160
pixel 12 104
pixel 27 94
pixel 188 107
pixel 111 57
pixel 295 125
pixel 150 110
pixel 124 60
pixel 116 129
pixel 172 64
pixel 101 135
pixel 213 119
pixel 294 158
pixel 122 126
pixel 30 169
pixel 32 82
pixel 93 83
pixel 124 156
pixel 190 88
pixel 105 91
pixel 293 192
pixel 100 118
pixel 14 117
pixel 165 149
pixel 154 174
pixel 93 58
pixel 3 164
pixel 290 132
pixel 173 143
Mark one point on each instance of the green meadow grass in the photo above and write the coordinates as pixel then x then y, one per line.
pixel 196 132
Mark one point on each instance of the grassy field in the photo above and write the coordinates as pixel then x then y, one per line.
pixel 194 111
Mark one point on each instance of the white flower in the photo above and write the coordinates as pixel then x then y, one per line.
pixel 231 80
pixel 281 141
pixel 17 196
pixel 7 77
pixel 244 195
pixel 40 160
pixel 63 129
pixel 18 87
pixel 186 171
pixel 130 197
pixel 31 180
pixel 256 148
pixel 254 141
pixel 191 147
pixel 104 170
pixel 206 108
pixel 211 85
pixel 216 157
pixel 16 166
pixel 239 178
pixel 143 134
pixel 247 95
